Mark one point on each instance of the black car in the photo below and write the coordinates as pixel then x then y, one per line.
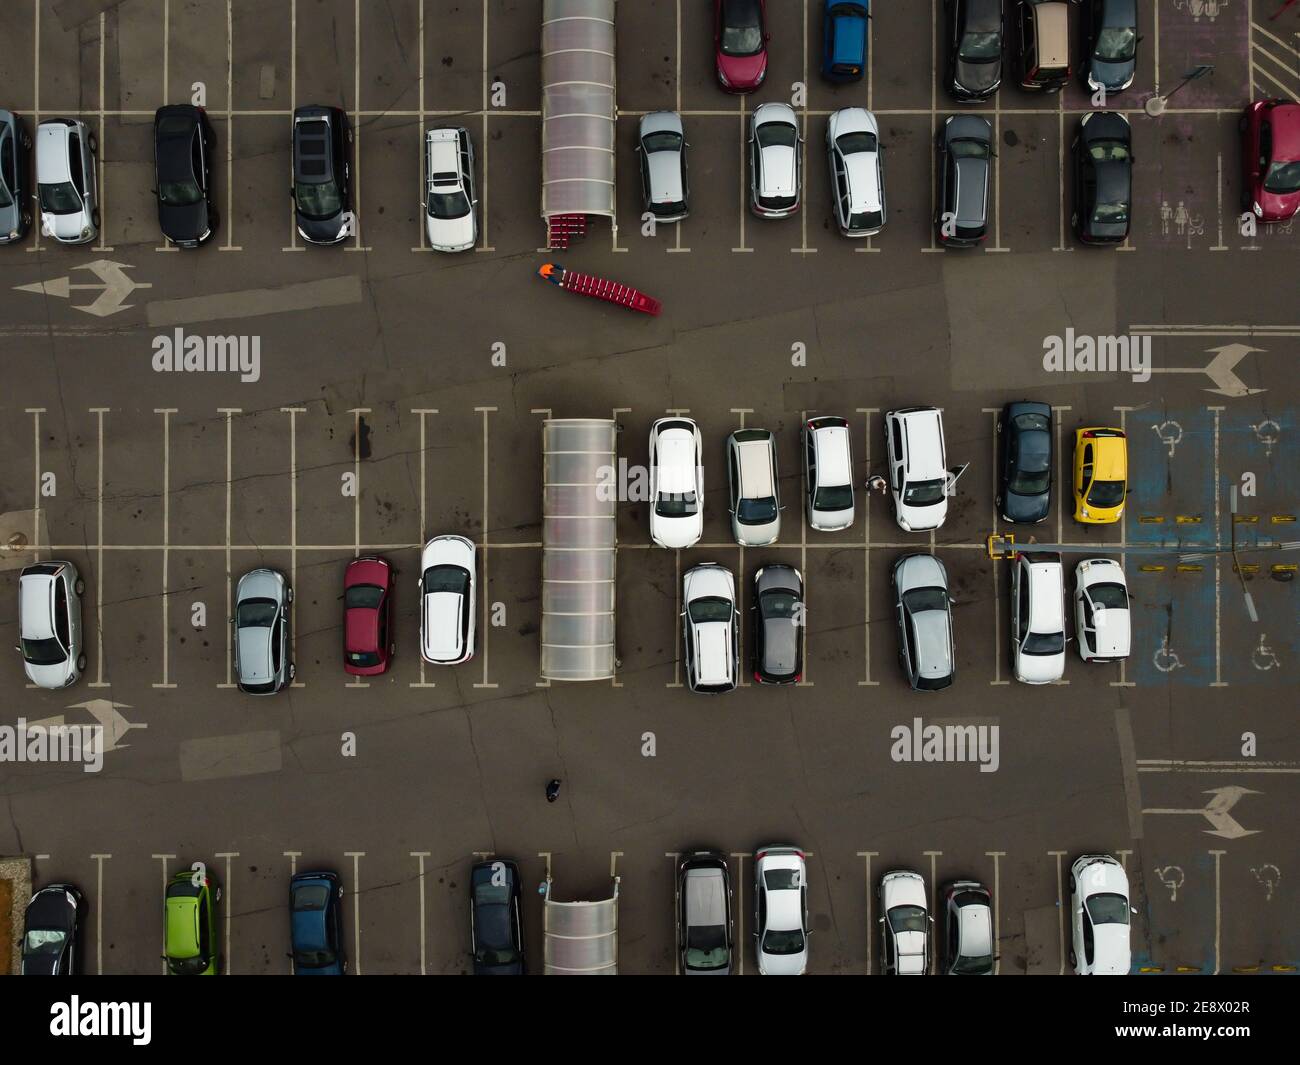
pixel 965 149
pixel 316 924
pixel 1025 462
pixel 1103 178
pixel 974 49
pixel 51 932
pixel 15 211
pixel 322 186
pixel 183 143
pixel 778 612
pixel 704 932
pixel 495 924
pixel 1111 38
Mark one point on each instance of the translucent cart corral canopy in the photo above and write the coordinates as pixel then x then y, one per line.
pixel 579 455
pixel 581 937
pixel 578 120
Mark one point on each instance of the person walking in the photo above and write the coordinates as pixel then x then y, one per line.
pixel 552 790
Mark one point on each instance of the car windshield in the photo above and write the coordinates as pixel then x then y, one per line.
pixel 1106 493
pixel 1108 908
pixel 44 652
pixel 60 199
pixel 181 193
pixel 865 219
pixel 365 659
pixel 678 505
pixel 314 959
pixel 710 608
pixel 742 28
pixel 1110 213
pixel 1108 151
pixel 497 956
pixel 756 511
pixel 836 497
pixel 446 578
pixel 777 135
pixel 922 599
pixel 783 942
pixel 980 47
pixel 1283 178
pixel 1109 596
pixel 363 597
pixel 965 966
pixel 706 947
pixel 662 141
pixel 860 141
pixel 448 204
pixel 779 604
pixel 908 919
pixel 1030 483
pixel 255 613
pixel 923 493
pixel 1044 643
pixel 318 201
pixel 44 942
pixel 1116 44
pixel 967 148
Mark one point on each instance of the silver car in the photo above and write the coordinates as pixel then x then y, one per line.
pixel 857 176
pixel 15 212
pixel 65 180
pixel 775 161
pixel 661 151
pixel 709 629
pixel 49 623
pixel 755 502
pixel 924 612
pixel 261 632
pixel 704 914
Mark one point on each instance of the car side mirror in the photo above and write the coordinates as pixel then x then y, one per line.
pixel 880 920
pixel 1133 910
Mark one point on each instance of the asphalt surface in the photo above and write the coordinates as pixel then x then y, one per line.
pixel 377 362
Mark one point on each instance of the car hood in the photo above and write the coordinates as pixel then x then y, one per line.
pixel 978 79
pixel 743 70
pixel 916 519
pixel 455 233
pixel 259 584
pixel 65 226
pixel 678 532
pixel 183 224
pixel 1040 669
pixel 1111 950
pixel 322 230
pixel 1278 205
pixel 1114 77
pixel 783 964
pixel 55 676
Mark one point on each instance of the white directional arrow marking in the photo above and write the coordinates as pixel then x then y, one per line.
pixel 108 716
pixel 113 287
pixel 1216 812
pixel 1220 370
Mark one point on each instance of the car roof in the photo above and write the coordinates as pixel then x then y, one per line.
pixel 36 606
pixel 254 654
pixel 1119 12
pixel 983 16
pixel 676 457
pixel 442 160
pixel 182 926
pixel 706 896
pixel 313 148
pixel 923 432
pixel 1046 595
pixel 932 643
pixel 833 455
pixel 1110 458
pixel 52 162
pixel 1285 119
pixel 442 624
pixel 713 652
pixel 975 930
pixel 864 185
pixel 1053 17
pixel 755 460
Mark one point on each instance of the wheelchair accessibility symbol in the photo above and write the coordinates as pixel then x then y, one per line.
pixel 1170 433
pixel 1268 432
pixel 1172 877
pixel 1166 659
pixel 1263 655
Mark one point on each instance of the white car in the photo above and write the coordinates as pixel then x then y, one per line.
pixel 447 567
pixel 904 924
pixel 1037 618
pixel 1099 917
pixel 676 483
pixel 754 486
pixel 775 161
pixel 781 911
pixel 449 189
pixel 49 623
pixel 710 628
pixel 827 473
pixel 65 180
pixel 1101 611
pixel 918 473
pixel 857 176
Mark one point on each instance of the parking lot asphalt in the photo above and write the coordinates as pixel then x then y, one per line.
pixel 400 394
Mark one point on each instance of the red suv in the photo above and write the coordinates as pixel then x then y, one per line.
pixel 367 616
pixel 1270 156
pixel 740 42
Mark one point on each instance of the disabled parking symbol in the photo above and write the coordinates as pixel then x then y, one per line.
pixel 1172 877
pixel 1268 432
pixel 1269 876
pixel 1170 434
pixel 1263 656
pixel 1166 658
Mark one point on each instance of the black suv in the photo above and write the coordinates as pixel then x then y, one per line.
pixel 183 143
pixel 322 187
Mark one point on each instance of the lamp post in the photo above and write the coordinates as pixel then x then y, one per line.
pixel 1155 105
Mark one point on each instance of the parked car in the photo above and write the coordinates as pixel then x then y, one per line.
pixel 740 43
pixel 857 173
pixel 1037 618
pixel 968 947
pixel 676 483
pixel 322 174
pixel 844 39
pixel 52 932
pixel 828 473
pixel 1110 30
pixel 904 924
pixel 661 152
pixel 704 932
pixel 974 70
pixel 1100 475
pixel 1025 462
pixel 781 924
pixel 183 144
pixel 65 180
pixel 924 611
pixel 449 197
pixel 261 632
pixel 495 923
pixel 779 620
pixel 709 628
pixel 1099 917
pixel 1043 44
pixel 1103 178
pixel 447 603
pixel 316 924
pixel 965 161
pixel 754 487
pixel 1270 155
pixel 190 924
pixel 49 623
pixel 1101 610
pixel 775 161
pixel 367 616
pixel 918 473
pixel 15 144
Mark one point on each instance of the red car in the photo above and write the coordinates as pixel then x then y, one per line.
pixel 367 616
pixel 740 42
pixel 1270 155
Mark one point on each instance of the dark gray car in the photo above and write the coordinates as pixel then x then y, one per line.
pixel 1025 462
pixel 322 172
pixel 974 49
pixel 965 149
pixel 1112 39
pixel 778 612
pixel 15 143
pixel 924 611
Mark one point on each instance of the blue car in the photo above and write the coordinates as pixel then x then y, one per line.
pixel 316 924
pixel 844 29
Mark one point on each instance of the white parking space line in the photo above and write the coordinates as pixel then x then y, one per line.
pixel 932 855
pixel 997 175
pixel 419 133
pixel 674 856
pixel 931 132
pixel 741 945
pixel 866 857
pixel 228 411
pixel 36 96
pixel 1218 909
pixel 227 894
pixel 293 413
pixel 101 171
pixel 356 857
pixel 803 248
pixel 486 141
pixel 997 910
pixel 803 681
pixel 740 579
pixel 99 860
pixel 866 682
pixel 1218 681
pixel 164 858
pixel 1060 173
pixel 1218 201
pixel 355 151
pixel 166 413
pixel 293 857
pixel 36 413
pixel 487 580
pixel 614 682
pixel 420 856
pixel 99 681
pixel 229 245
pixel 744 207
pixel 1068 484
pixel 1061 903
pixel 356 413
pixel 422 411
pixel 293 106
pixel 995 568
pixel 1123 681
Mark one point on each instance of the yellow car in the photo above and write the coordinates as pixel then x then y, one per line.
pixel 1100 475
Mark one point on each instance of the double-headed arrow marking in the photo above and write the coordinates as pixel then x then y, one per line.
pixel 1216 812
pixel 113 287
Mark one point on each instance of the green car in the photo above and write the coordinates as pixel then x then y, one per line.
pixel 190 922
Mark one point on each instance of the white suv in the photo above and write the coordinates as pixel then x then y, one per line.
pixel 828 473
pixel 918 473
pixel 676 483
pixel 1037 618
pixel 49 623
pixel 709 628
pixel 755 496
pixel 449 189
pixel 1101 610
pixel 65 180
pixel 447 601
